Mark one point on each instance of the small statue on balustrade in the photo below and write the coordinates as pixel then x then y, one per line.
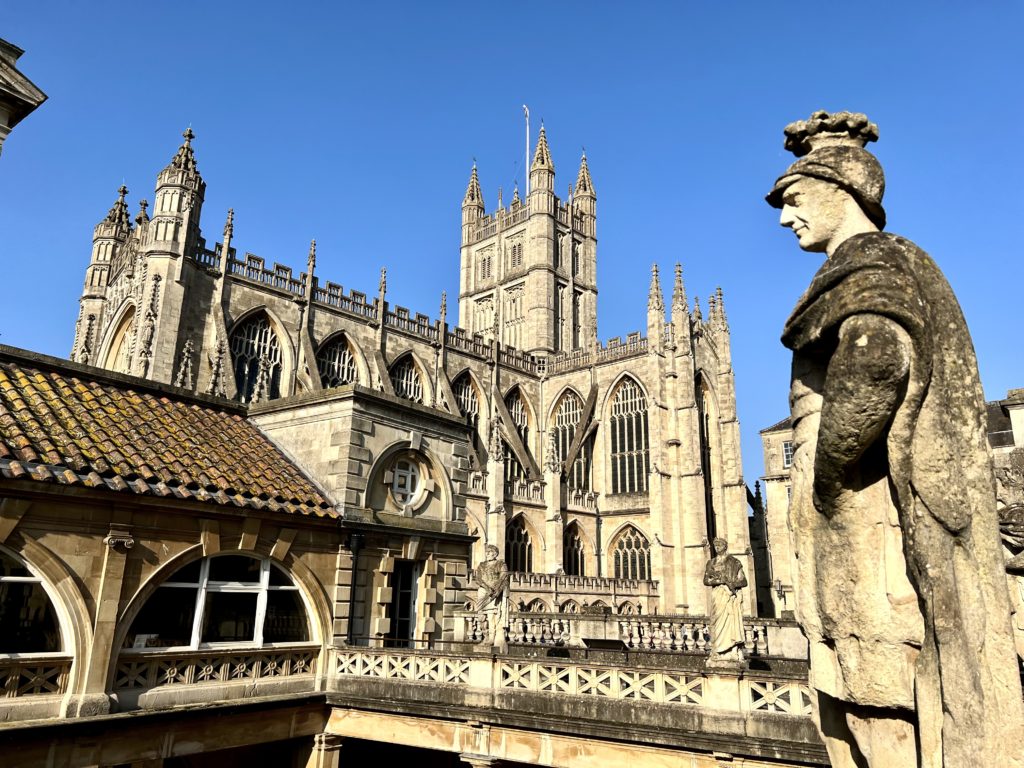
pixel 492 597
pixel 724 574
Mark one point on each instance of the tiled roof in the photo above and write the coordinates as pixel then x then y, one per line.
pixel 65 423
pixel 780 425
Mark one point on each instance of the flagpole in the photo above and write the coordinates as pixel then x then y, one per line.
pixel 526 167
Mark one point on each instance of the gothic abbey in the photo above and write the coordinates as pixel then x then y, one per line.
pixel 601 471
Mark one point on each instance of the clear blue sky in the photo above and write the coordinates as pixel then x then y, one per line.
pixel 357 124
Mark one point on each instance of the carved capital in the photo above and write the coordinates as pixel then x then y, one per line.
pixel 119 540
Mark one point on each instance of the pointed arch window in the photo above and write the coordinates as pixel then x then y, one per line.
pixel 573 561
pixel 567 419
pixel 336 363
pixel 28 621
pixel 256 355
pixel 465 395
pixel 405 378
pixel 222 600
pixel 630 455
pixel 518 547
pixel 514 470
pixel 119 357
pixel 632 555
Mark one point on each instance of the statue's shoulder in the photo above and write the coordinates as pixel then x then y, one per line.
pixel 875 247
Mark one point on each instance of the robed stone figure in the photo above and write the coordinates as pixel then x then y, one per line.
pixel 900 588
pixel 724 574
pixel 492 579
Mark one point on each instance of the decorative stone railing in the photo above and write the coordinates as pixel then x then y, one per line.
pixel 34 676
pixel 591 584
pixel 477 483
pixel 254 268
pixel 474 344
pixel 333 295
pixel 708 689
pixel 514 358
pixel 144 670
pixel 418 326
pixel 580 499
pixel 525 490
pixel 568 361
pixel 616 349
pixel 207 258
pixel 685 635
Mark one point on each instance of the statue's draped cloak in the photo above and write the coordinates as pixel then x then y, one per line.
pixel 900 589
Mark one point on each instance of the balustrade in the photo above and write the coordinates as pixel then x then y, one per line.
pixel 34 675
pixel 143 670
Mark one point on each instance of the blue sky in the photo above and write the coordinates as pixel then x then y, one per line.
pixel 358 125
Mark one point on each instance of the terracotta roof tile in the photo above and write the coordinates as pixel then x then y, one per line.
pixel 60 425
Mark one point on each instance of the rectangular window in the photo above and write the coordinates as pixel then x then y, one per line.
pixel 787 454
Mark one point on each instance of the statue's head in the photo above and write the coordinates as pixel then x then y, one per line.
pixel 721 546
pixel 491 552
pixel 833 179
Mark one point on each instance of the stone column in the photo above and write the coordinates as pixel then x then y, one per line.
pixel 326 751
pixel 94 699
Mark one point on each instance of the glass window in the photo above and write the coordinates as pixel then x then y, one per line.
pixel 572 552
pixel 222 599
pixel 336 364
pixel 406 380
pixel 629 456
pixel 787 454
pixel 632 555
pixel 406 481
pixel 518 548
pixel 257 359
pixel 28 622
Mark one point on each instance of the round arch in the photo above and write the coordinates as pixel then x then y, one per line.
pixel 362 367
pixel 59 584
pixel 442 481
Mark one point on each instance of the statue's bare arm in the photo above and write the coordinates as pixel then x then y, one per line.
pixel 864 385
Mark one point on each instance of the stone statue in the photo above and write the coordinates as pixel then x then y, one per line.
pixel 900 584
pixel 492 595
pixel 724 574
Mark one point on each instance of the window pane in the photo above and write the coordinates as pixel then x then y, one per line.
pixel 27 621
pixel 286 618
pixel 187 575
pixel 11 567
pixel 235 568
pixel 165 620
pixel 229 617
pixel 278 578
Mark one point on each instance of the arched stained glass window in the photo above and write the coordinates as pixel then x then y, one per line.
pixel 405 378
pixel 514 470
pixel 632 554
pixel 630 457
pixel 572 552
pixel 28 621
pixel 567 419
pixel 465 395
pixel 254 346
pixel 234 599
pixel 120 354
pixel 336 363
pixel 518 547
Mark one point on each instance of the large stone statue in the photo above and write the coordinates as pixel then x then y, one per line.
pixel 900 584
pixel 492 596
pixel 724 574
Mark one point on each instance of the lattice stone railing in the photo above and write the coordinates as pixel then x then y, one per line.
pixel 150 670
pixel 35 676
pixel 786 697
pixel 603 681
pixel 401 666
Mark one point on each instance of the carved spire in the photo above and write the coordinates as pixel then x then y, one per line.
pixel 311 260
pixel 712 310
pixel 118 213
pixel 229 226
pixel 697 316
pixel 515 195
pixel 501 203
pixel 655 298
pixel 679 303
pixel 495 448
pixel 444 307
pixel 184 376
pixel 584 184
pixel 262 386
pixel 720 303
pixel 542 155
pixel 217 373
pixel 474 197
pixel 382 286
pixel 185 159
pixel 142 217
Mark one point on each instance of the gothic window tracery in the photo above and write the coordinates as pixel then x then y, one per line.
pixel 336 364
pixel 567 419
pixel 225 599
pixel 573 561
pixel 632 555
pixel 119 357
pixel 254 345
pixel 514 470
pixel 518 547
pixel 514 315
pixel 466 397
pixel 630 455
pixel 405 378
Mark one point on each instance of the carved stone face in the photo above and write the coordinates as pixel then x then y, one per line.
pixel 721 546
pixel 814 210
pixel 491 552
